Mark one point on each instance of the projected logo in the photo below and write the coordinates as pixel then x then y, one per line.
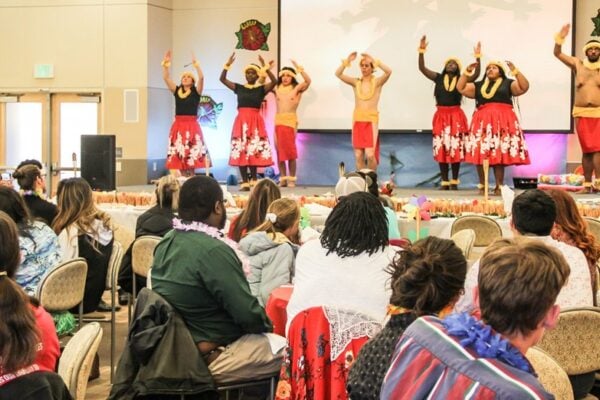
pixel 209 111
pixel 253 35
pixel 596 21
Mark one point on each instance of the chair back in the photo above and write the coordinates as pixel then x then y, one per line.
pixel 142 254
pixel 123 235
pixel 594 226
pixel 63 287
pixel 575 342
pixel 77 358
pixel 552 377
pixel 464 240
pixel 486 229
pixel 114 265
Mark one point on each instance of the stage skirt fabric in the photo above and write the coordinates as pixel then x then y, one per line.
pixel 187 149
pixel 449 129
pixel 588 132
pixel 362 137
pixel 249 141
pixel 496 135
pixel 286 143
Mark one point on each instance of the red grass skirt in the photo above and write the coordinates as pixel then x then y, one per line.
pixel 249 141
pixel 588 132
pixel 286 143
pixel 449 128
pixel 187 149
pixel 362 137
pixel 496 135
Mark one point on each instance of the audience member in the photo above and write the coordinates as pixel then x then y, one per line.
pixel 198 272
pixel 32 182
pixel 156 221
pixel 345 268
pixel 571 228
pixel 533 215
pixel 28 343
pixel 460 356
pixel 427 279
pixel 38 244
pixel 271 248
pixel 263 194
pixel 84 231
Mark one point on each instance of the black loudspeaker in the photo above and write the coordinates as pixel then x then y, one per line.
pixel 98 161
pixel 525 183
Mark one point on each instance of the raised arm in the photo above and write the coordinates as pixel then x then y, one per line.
pixel 266 69
pixel 477 54
pixel 345 64
pixel 166 63
pixel 223 77
pixel 302 86
pixel 200 81
pixel 520 85
pixel 559 39
pixel 424 70
pixel 463 85
pixel 387 71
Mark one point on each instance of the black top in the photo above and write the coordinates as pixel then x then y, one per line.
pixel 367 373
pixel 189 105
pixel 40 208
pixel 251 98
pixel 39 385
pixel 444 97
pixel 502 95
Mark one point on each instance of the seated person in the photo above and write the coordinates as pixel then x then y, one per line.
pixel 40 251
pixel 28 349
pixel 32 182
pixel 156 221
pixel 427 279
pixel 84 231
pixel 346 267
pixel 460 356
pixel 198 271
pixel 271 248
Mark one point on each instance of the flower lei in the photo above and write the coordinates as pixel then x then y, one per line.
pixel 183 93
pixel 215 233
pixel 486 343
pixel 591 65
pixel 371 89
pixel 492 92
pixel 449 85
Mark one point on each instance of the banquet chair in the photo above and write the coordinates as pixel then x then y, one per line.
pixel 63 287
pixel 76 360
pixel 123 235
pixel 142 257
pixel 575 341
pixel 552 377
pixel 323 342
pixel 486 229
pixel 464 240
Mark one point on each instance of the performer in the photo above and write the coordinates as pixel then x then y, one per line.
pixel 288 93
pixel 367 90
pixel 495 133
pixel 187 150
pixel 586 109
pixel 249 141
pixel 449 121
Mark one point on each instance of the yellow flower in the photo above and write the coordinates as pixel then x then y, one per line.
pixel 284 390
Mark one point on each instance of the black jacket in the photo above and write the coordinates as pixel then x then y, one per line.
pixel 40 208
pixel 160 357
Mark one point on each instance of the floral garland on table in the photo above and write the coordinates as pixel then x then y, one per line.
pixel 475 334
pixel 215 233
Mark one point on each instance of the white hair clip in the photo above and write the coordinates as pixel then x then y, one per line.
pixel 272 217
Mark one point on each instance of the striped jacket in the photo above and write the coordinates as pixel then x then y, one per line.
pixel 428 363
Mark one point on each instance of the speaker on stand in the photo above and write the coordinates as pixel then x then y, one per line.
pixel 98 161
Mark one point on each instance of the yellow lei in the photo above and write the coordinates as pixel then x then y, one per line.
pixel 281 89
pixel 183 94
pixel 591 65
pixel 492 91
pixel 371 92
pixel 253 86
pixel 449 85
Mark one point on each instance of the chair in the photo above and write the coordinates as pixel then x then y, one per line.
pixel 77 358
pixel 142 257
pixel 114 265
pixel 228 387
pixel 594 226
pixel 123 235
pixel 575 342
pixel 464 240
pixel 63 287
pixel 550 374
pixel 486 229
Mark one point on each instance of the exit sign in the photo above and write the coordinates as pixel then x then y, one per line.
pixel 43 71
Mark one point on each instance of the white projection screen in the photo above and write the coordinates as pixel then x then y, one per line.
pixel 319 33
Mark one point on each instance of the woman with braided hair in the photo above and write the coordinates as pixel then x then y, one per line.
pixel 346 268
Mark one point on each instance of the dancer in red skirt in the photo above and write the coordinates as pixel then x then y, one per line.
pixel 249 141
pixel 449 121
pixel 288 93
pixel 495 132
pixel 187 150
